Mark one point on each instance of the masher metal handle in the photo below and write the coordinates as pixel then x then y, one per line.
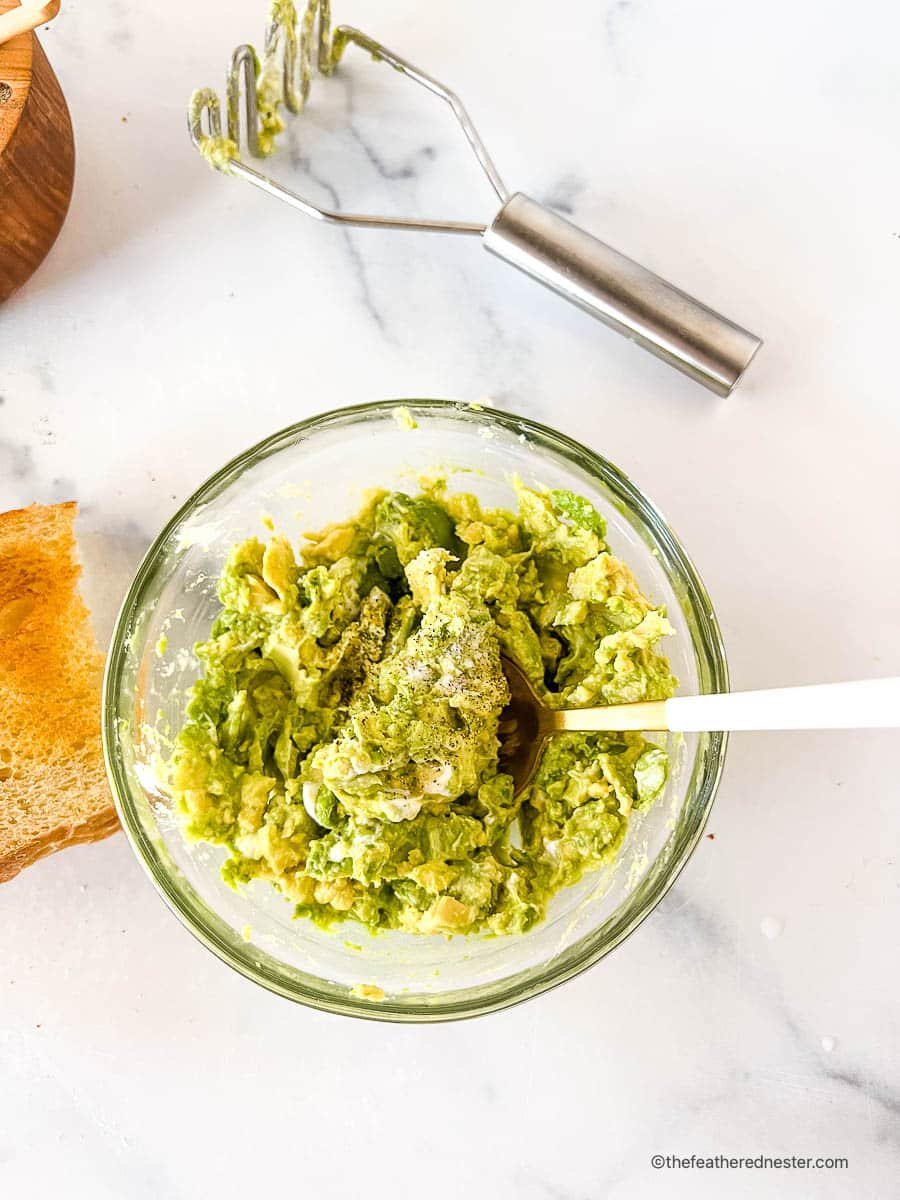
pixel 620 292
pixel 612 287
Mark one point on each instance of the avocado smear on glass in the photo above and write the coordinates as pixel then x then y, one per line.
pixel 342 741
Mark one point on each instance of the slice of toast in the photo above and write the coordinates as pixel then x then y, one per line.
pixel 53 788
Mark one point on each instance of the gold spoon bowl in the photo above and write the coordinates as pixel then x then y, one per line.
pixel 527 722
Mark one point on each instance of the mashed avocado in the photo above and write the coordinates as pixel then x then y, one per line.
pixel 342 741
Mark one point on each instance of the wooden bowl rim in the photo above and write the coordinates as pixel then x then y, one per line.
pixel 16 65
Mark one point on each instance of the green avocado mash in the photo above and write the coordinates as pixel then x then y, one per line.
pixel 342 741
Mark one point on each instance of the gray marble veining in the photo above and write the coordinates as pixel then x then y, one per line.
pixel 181 318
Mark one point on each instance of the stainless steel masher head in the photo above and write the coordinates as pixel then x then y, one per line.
pixel 615 289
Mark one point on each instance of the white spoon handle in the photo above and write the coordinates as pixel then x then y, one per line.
pixel 866 704
pixel 29 15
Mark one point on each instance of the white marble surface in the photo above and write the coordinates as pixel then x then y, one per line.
pixel 750 153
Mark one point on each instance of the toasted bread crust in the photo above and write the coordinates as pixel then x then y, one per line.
pixel 94 830
pixel 53 789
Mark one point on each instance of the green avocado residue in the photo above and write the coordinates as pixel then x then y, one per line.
pixel 343 739
pixel 219 152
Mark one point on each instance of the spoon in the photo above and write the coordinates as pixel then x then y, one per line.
pixel 527 722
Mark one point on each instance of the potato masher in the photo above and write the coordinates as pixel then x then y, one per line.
pixel 615 289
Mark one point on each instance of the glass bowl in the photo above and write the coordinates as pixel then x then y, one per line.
pixel 302 478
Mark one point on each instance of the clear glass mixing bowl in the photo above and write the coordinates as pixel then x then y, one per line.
pixel 303 478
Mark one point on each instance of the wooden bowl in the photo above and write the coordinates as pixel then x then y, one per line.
pixel 37 158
